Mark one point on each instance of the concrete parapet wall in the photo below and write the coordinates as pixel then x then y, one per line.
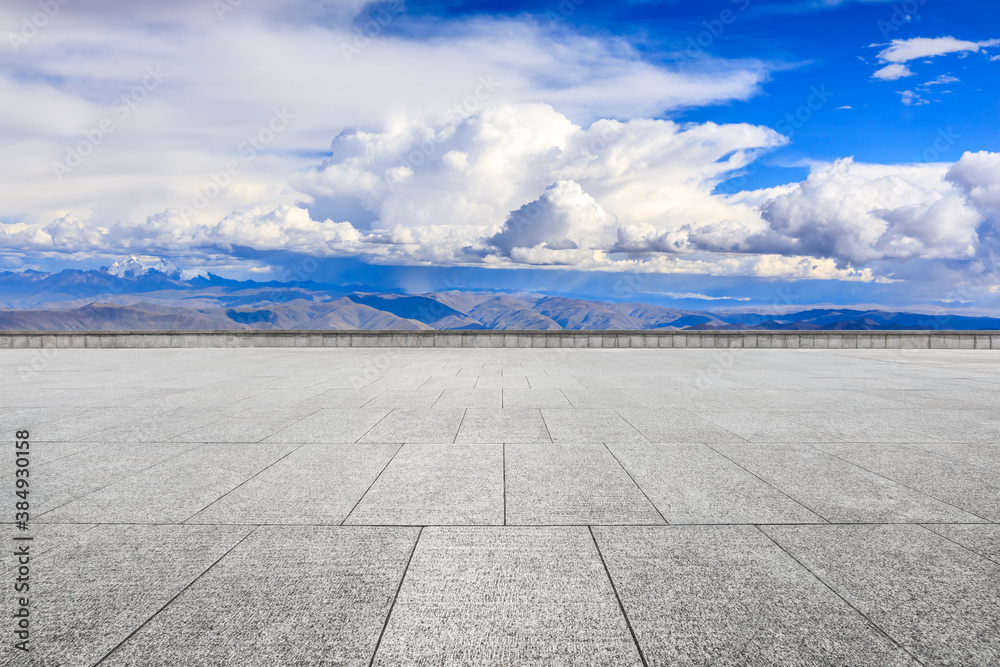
pixel 813 340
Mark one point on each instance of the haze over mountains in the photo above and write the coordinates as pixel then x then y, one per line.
pixel 132 295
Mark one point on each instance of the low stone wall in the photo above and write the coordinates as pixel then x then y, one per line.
pixel 861 340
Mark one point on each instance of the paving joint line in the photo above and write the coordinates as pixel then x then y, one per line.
pixel 285 428
pixel 903 484
pixel 194 446
pixel 246 481
pixel 462 421
pixel 621 606
pixel 503 452
pixel 943 457
pixel 568 400
pixel 391 410
pixel 945 537
pixel 680 525
pixel 865 616
pixel 376 396
pixel 641 490
pixel 631 425
pixel 171 600
pixel 395 597
pixel 773 486
pixel 546 425
pixel 391 459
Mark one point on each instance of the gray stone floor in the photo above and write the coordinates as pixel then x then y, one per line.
pixel 507 506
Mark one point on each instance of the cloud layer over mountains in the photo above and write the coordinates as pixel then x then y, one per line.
pixel 533 145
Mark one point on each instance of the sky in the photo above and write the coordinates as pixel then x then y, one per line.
pixel 721 153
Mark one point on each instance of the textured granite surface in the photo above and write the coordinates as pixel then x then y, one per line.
pixel 352 506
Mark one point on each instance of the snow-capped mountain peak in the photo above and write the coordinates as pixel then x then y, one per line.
pixel 132 267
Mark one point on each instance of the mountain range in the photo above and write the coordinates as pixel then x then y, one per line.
pixel 134 295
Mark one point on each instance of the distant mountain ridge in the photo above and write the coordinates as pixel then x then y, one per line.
pixel 133 295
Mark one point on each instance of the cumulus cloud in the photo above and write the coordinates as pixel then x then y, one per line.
pixel 559 226
pixel 222 86
pixel 977 176
pixel 524 185
pixel 644 171
pixel 527 146
pixel 893 72
pixel 859 214
pixel 912 98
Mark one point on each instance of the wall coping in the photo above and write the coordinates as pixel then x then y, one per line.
pixel 978 340
pixel 486 332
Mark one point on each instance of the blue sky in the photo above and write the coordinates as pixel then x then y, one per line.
pixel 758 153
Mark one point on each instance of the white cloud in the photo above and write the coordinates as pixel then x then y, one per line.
pixel 977 175
pixel 902 51
pixel 905 50
pixel 701 297
pixel 644 171
pixel 912 98
pixel 562 224
pixel 502 144
pixel 892 72
pixel 223 84
pixel 860 214
pixel 942 80
pixel 915 98
pixel 523 185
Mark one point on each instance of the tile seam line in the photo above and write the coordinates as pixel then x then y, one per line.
pixel 171 600
pixel 373 398
pixel 865 616
pixel 624 419
pixel 503 453
pixel 718 425
pixel 641 490
pixel 621 606
pixel 370 486
pixel 193 447
pixel 945 537
pixel 246 481
pixel 395 598
pixel 773 486
pixel 814 524
pixel 571 406
pixel 454 440
pixel 53 550
pixel 949 457
pixel 904 485
pixel 391 410
pixel 294 422
pixel 541 413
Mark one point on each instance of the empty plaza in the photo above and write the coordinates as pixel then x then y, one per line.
pixel 506 506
